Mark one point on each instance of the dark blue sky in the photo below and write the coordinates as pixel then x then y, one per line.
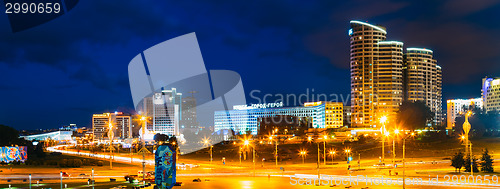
pixel 65 70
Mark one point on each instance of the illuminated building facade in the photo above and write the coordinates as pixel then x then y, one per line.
pixel 333 113
pixel 376 74
pixel 164 110
pixel 122 125
pixel 457 107
pixel 244 118
pixel 423 80
pixel 490 93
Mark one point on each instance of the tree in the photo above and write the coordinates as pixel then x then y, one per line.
pixel 467 163
pixel 486 162
pixel 457 161
pixel 9 136
pixel 414 115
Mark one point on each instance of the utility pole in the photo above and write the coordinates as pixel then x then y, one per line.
pixel 318 160
pixel 276 149
pixel 324 149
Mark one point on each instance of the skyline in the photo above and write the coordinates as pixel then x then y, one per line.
pixel 78 71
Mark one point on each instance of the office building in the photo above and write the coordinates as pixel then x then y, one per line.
pixel 490 93
pixel 376 74
pixel 333 113
pixel 457 107
pixel 243 118
pixel 189 114
pixel 423 80
pixel 121 123
pixel 164 110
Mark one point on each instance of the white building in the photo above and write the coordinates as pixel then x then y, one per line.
pixel 164 110
pixel 455 108
pixel 490 93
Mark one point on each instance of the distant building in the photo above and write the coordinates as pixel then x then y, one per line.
pixel 382 76
pixel 164 110
pixel 456 107
pixel 121 122
pixel 376 74
pixel 333 113
pixel 188 120
pixel 490 93
pixel 56 135
pixel 243 118
pixel 423 80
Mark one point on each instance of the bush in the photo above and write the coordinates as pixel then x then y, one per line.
pixel 100 163
pixel 63 163
pixel 77 163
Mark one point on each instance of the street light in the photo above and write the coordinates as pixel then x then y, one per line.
pixel 404 152
pixel 383 119
pixel 332 153
pixel 324 148
pixel 206 142
pixel 275 149
pixel 111 135
pixel 247 143
pixel 303 153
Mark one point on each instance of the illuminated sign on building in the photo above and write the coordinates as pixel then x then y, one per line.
pixel 258 106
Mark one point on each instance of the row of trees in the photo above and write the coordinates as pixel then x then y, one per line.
pixel 458 161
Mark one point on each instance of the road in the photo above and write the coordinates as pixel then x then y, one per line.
pixel 234 175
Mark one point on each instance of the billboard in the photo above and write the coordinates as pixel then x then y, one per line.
pixel 165 166
pixel 10 154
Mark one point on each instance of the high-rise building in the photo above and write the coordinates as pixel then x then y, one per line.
pixel 456 107
pixel 422 81
pixel 376 74
pixel 164 110
pixel 189 114
pixel 121 123
pixel 490 93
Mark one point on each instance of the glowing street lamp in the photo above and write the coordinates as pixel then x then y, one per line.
pixel 111 135
pixel 246 142
pixel 383 120
pixel 404 152
pixel 303 153
pixel 206 142
pixel 332 153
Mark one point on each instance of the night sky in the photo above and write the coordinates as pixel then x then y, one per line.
pixel 65 70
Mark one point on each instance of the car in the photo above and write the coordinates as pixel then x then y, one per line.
pixel 82 175
pixel 65 174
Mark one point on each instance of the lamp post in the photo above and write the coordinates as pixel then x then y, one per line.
pixel 61 178
pixel 247 143
pixel 396 133
pixel 30 180
pixel 303 153
pixel 206 142
pixel 348 152
pixel 324 149
pixel 93 178
pixel 143 148
pixel 467 127
pixel 404 152
pixel 111 135
pixel 383 119
pixel 332 153
pixel 317 167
